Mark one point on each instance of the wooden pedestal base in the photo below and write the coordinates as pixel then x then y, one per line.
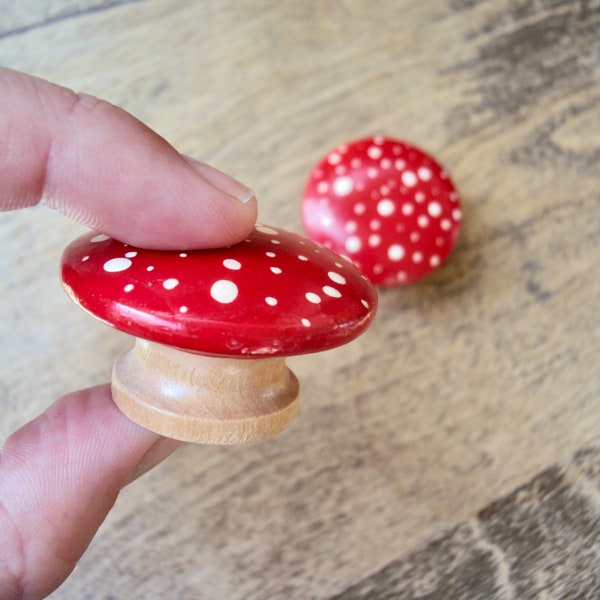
pixel 204 399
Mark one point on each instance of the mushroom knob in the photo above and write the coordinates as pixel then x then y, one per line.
pixel 213 327
pixel 387 205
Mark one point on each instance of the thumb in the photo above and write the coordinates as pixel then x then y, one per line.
pixel 99 165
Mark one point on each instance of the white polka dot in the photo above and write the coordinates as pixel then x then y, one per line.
pixel 396 252
pixel 423 221
pixel 446 224
pixel 331 291
pixel 128 287
pixel 336 277
pixel 276 242
pixel 114 265
pixel 417 257
pixel 171 283
pixel 353 244
pixel 424 173
pixel 150 268
pixel 271 301
pixel 271 254
pixel 434 209
pixel 385 163
pixel 420 197
pixel 275 270
pixel 375 224
pixel 334 158
pixel 435 261
pixel 351 226
pixel 267 230
pixel 224 291
pixel 374 152
pixel 314 298
pixel 231 263
pixel 343 186
pixel 99 238
pixel 359 208
pixel 372 172
pixel 131 254
pixel 457 214
pixel 322 187
pixel 401 276
pixel 400 164
pixel 415 236
pixel 364 303
pixel 183 309
pixel 374 240
pixel 306 322
pixel 183 254
pixel 355 163
pixel 386 207
pixel 409 179
pixel 85 258
pixel 302 257
pixel 407 209
pixel 378 269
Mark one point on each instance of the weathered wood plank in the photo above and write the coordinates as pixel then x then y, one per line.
pixel 542 541
pixel 17 18
pixel 466 386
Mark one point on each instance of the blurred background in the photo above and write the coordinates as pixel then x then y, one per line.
pixel 399 475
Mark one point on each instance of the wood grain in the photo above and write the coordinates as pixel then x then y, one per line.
pixel 465 387
pixel 217 400
pixel 541 541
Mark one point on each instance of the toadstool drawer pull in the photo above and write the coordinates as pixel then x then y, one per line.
pixel 387 205
pixel 213 327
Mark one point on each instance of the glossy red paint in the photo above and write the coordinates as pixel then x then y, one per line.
pixel 275 294
pixel 386 205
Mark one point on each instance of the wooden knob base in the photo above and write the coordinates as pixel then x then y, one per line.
pixel 204 399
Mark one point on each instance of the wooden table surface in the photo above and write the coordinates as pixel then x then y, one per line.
pixel 398 477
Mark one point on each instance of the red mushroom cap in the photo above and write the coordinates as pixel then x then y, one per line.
pixel 275 294
pixel 387 205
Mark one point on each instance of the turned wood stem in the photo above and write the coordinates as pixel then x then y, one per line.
pixel 204 399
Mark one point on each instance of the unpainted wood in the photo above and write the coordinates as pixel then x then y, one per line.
pixel 204 399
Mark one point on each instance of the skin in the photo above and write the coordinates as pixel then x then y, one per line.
pixel 61 473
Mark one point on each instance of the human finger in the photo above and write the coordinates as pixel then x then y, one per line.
pixel 59 476
pixel 97 164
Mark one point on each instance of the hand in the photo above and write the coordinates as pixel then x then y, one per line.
pixel 61 473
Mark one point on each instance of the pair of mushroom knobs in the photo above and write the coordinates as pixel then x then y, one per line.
pixel 213 327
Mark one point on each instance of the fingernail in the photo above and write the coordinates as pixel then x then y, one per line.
pixel 222 181
pixel 247 197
